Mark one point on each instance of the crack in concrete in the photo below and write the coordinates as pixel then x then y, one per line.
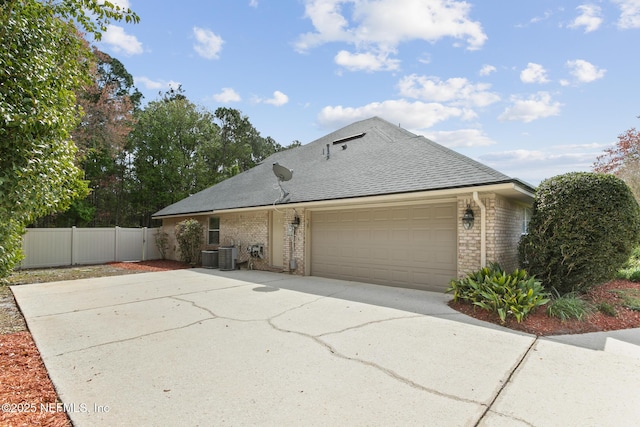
pixel 371 322
pixel 194 304
pixel 504 385
pixel 136 337
pixel 136 301
pixel 380 368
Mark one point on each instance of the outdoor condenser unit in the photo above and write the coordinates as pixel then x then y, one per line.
pixel 227 257
pixel 210 259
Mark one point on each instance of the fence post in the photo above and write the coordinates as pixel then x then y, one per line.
pixel 116 244
pixel 144 243
pixel 74 246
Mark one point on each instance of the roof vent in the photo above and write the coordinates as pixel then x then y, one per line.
pixel 349 138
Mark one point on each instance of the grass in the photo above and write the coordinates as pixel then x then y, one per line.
pixel 569 306
pixel 630 298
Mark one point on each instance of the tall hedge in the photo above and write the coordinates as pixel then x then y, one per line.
pixel 583 228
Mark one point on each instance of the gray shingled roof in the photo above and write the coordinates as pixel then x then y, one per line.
pixel 386 160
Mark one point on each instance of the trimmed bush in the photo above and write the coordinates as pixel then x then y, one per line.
pixel 162 243
pixel 492 289
pixel 583 228
pixel 190 237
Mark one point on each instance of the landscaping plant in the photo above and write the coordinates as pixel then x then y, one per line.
pixel 631 269
pixel 190 237
pixel 569 306
pixel 583 228
pixel 162 243
pixel 492 289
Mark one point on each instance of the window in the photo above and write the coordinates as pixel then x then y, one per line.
pixel 526 217
pixel 214 230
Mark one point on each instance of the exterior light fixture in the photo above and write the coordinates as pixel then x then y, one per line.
pixel 468 218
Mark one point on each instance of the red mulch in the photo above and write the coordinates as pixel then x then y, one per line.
pixel 154 265
pixel 27 396
pixel 538 323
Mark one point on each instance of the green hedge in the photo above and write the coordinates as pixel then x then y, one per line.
pixel 583 228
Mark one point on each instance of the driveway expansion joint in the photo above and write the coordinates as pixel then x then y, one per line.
pixel 505 383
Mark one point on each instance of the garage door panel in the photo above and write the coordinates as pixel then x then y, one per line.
pixel 412 246
pixel 421 213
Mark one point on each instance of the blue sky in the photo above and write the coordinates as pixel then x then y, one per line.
pixel 530 88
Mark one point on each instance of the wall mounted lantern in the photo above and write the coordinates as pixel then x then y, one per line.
pixel 468 218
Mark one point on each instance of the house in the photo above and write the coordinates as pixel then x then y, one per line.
pixel 370 202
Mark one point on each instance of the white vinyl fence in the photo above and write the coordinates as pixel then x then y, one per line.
pixel 56 247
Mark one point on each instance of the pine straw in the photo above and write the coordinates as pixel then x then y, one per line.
pixel 25 385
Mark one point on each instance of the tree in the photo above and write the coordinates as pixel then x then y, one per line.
pixel 623 160
pixel 42 63
pixel 108 103
pixel 166 147
pixel 583 228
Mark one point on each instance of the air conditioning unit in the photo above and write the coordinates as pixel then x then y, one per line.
pixel 227 257
pixel 210 259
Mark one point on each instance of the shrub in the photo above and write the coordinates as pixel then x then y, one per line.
pixel 492 289
pixel 583 228
pixel 631 269
pixel 10 246
pixel 190 236
pixel 569 306
pixel 162 243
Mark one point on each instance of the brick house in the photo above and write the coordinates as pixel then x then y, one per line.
pixel 370 202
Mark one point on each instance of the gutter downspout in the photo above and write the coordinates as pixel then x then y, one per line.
pixel 483 230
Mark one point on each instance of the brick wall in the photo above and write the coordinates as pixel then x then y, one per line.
pixel 503 231
pixel 508 219
pixel 294 240
pixel 245 229
pixel 468 240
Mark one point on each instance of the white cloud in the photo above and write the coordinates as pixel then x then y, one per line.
pixel 387 23
pixel 535 107
pixel 459 138
pixel 584 71
pixel 630 14
pixel 278 99
pixel 533 166
pixel 208 44
pixel 487 69
pixel 366 61
pixel 120 41
pixel 156 84
pixel 227 95
pixel 589 18
pixel 534 73
pixel 253 3
pixel 410 115
pixel 457 90
pixel 123 4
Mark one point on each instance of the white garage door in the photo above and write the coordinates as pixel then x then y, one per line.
pixel 411 246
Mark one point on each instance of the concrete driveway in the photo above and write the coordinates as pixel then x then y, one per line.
pixel 207 347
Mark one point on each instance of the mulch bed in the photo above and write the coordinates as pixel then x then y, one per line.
pixel 155 265
pixel 27 396
pixel 538 323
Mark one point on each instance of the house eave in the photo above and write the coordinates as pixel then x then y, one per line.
pixel 512 189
